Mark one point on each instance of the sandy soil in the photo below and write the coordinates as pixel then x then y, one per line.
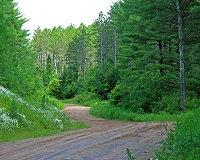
pixel 105 140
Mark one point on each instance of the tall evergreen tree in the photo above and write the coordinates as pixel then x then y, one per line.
pixel 148 37
pixel 15 54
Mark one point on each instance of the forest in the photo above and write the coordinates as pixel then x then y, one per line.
pixel 142 57
pixel 139 56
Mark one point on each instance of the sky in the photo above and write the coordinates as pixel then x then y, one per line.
pixel 50 13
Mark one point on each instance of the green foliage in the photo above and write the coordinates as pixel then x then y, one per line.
pixel 183 142
pixel 138 91
pixel 54 88
pixel 69 83
pixel 171 104
pixel 145 54
pixel 103 109
pixel 129 154
pixel 84 98
pixel 168 103
pixel 101 80
pixel 70 90
pixel 151 45
pixel 193 102
pixel 35 117
pixel 118 94
pixel 17 59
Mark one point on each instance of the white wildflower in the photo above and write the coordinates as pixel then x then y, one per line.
pixel 6 122
pixel 59 122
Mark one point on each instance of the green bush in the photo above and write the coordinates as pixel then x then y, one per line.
pixel 172 104
pixel 84 98
pixel 54 88
pixel 69 83
pixel 183 142
pixel 101 80
pixel 169 103
pixel 69 91
pixel 193 102
pixel 139 91
pixel 116 97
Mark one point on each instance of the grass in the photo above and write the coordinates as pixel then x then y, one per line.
pixel 7 136
pixel 86 99
pixel 36 117
pixel 106 111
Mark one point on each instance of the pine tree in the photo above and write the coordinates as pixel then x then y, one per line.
pixel 15 54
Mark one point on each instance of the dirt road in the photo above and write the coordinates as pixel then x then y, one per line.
pixel 105 140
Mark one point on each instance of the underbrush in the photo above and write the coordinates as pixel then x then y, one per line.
pixel 104 110
pixel 184 141
pixel 21 119
pixel 86 98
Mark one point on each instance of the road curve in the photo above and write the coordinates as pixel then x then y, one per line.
pixel 105 140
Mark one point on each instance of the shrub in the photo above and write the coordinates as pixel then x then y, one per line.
pixel 54 88
pixel 139 91
pixel 85 98
pixel 193 102
pixel 172 104
pixel 103 109
pixel 101 80
pixel 183 142
pixel 70 90
pixel 169 103
pixel 116 97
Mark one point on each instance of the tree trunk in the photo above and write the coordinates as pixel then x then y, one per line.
pixel 161 48
pixel 55 63
pixel 41 60
pixel 181 51
pixel 101 48
pixel 115 50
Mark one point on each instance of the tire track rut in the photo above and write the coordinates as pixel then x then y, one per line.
pixel 105 140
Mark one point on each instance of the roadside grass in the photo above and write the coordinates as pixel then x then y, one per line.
pixel 86 99
pixel 35 117
pixel 103 109
pixel 7 136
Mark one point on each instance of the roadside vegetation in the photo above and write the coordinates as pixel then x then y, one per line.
pixel 184 141
pixel 20 119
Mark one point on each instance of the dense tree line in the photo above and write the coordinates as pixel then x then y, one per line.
pixel 142 55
